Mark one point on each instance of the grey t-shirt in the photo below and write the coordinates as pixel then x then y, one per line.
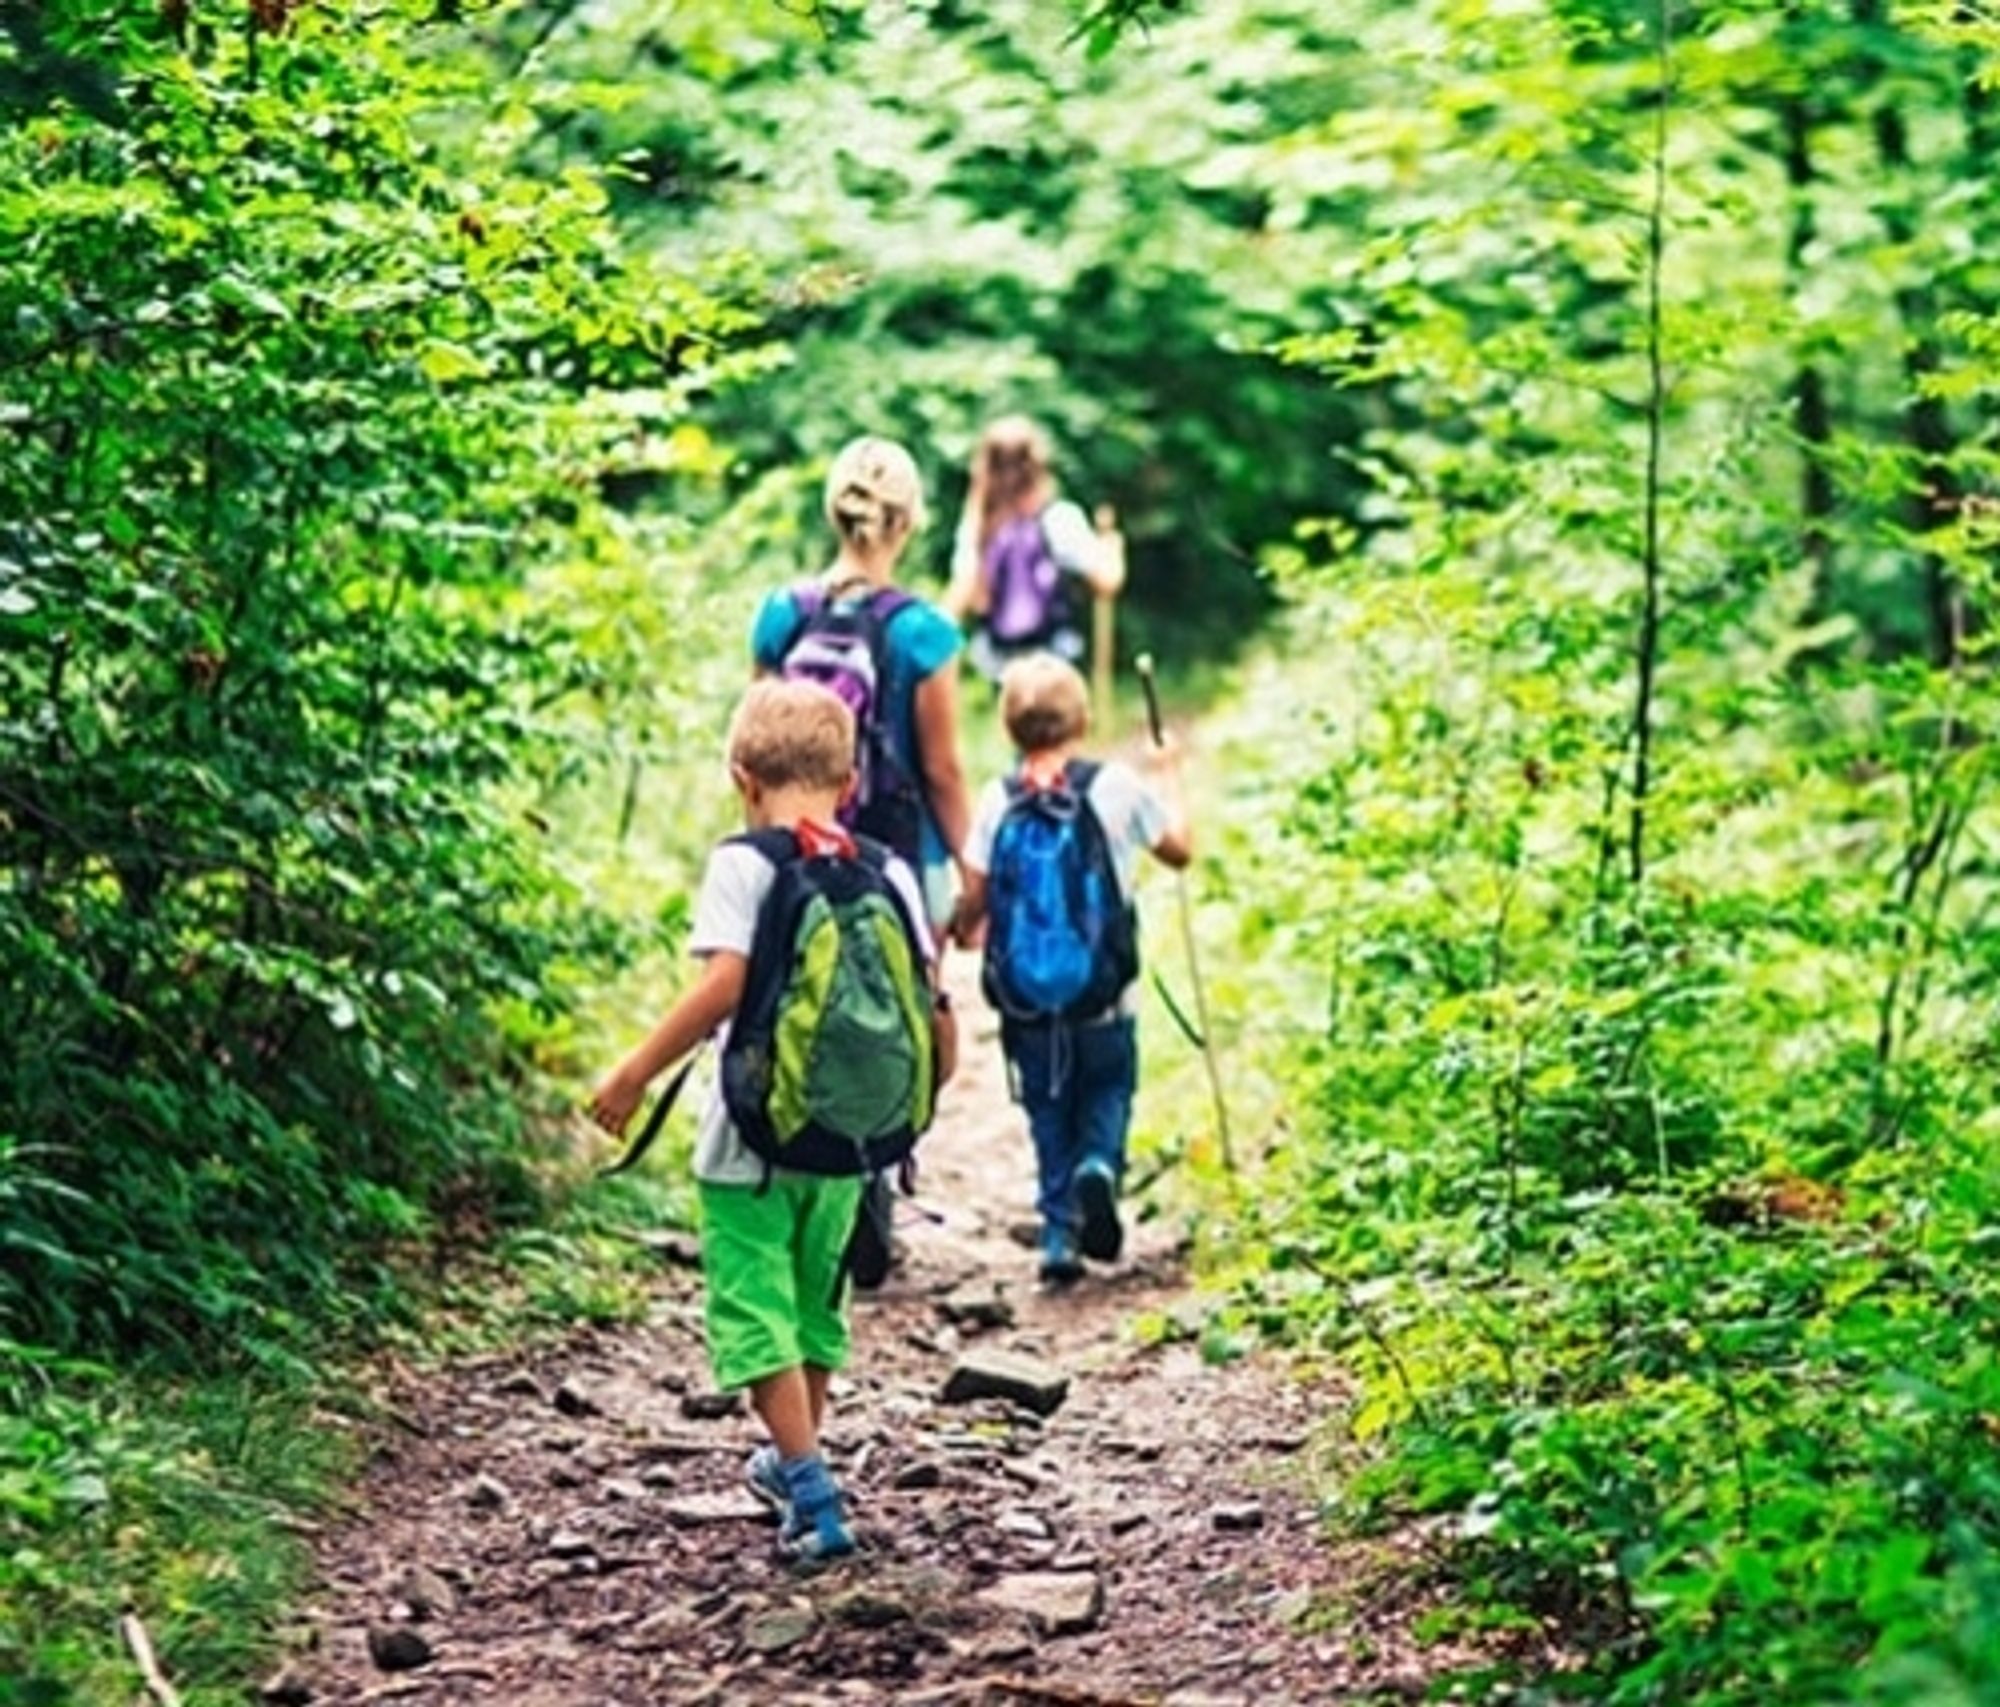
pixel 732 893
pixel 1133 816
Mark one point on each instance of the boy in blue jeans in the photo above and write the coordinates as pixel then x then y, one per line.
pixel 1073 1064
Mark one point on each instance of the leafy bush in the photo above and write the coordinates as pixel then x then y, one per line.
pixel 307 381
pixel 1642 1171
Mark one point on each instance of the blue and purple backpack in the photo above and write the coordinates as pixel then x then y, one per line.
pixel 842 643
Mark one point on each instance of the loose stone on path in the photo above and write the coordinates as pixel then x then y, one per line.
pixel 396 1647
pixel 1098 1537
pixel 1055 1603
pixel 1039 1388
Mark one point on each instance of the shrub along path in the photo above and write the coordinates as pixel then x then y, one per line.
pixel 567 1527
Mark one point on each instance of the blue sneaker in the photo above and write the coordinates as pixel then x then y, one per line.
pixel 815 1531
pixel 1100 1236
pixel 763 1477
pixel 1061 1266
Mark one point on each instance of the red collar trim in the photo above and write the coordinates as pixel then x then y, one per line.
pixel 818 841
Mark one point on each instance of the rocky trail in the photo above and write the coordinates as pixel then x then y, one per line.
pixel 1117 1521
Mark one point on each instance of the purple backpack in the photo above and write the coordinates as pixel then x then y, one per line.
pixel 843 644
pixel 1023 584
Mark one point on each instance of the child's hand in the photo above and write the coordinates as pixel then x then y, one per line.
pixel 967 930
pixel 1163 758
pixel 616 1100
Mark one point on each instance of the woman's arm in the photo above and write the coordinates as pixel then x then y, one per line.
pixel 944 1037
pixel 969 915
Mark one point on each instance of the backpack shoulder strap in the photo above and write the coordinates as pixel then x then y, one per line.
pixel 1078 776
pixel 876 612
pixel 775 843
pixel 876 856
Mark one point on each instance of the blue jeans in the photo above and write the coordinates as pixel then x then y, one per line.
pixel 1075 1084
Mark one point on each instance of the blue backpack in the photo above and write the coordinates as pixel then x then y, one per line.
pixel 843 644
pixel 1062 942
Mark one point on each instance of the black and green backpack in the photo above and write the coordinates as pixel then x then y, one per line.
pixel 830 1066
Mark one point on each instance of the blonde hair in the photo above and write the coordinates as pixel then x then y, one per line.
pixel 874 493
pixel 787 734
pixel 1043 702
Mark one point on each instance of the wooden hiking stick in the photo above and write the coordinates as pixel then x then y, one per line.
pixel 1144 665
pixel 1101 621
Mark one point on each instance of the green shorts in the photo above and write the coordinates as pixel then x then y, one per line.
pixel 771 1260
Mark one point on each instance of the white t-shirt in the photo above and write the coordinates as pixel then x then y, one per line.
pixel 732 894
pixel 1072 540
pixel 1133 816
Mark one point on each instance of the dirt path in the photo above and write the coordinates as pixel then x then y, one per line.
pixel 568 1528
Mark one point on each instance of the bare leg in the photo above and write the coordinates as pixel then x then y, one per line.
pixel 817 1382
pixel 790 1411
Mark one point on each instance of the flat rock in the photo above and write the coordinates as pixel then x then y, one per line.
pixel 569 1544
pixel 520 1385
pixel 487 1493
pixel 711 1407
pixel 1055 1603
pixel 1238 1518
pixel 425 1593
pixel 994 1650
pixel 778 1629
pixel 922 1473
pixel 698 1511
pixel 868 1609
pixel 396 1647
pixel 573 1401
pixel 978 1311
pixel 1025 1381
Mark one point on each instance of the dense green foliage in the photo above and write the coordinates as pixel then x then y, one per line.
pixel 297 398
pixel 1647 856
pixel 302 379
pixel 959 213
pixel 1584 412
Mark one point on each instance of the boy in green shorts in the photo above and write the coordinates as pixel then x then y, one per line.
pixel 773 1240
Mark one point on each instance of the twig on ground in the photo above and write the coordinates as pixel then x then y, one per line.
pixel 147 1661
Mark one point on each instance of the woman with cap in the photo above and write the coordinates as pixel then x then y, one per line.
pixel 853 618
pixel 874 501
